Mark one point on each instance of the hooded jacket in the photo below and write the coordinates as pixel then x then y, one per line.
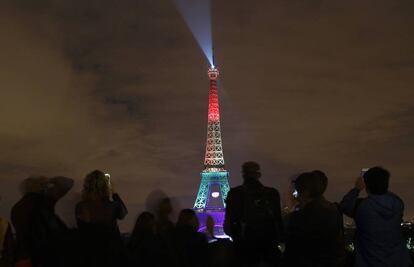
pixel 378 239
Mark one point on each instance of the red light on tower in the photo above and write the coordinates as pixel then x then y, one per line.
pixel 214 152
pixel 213 102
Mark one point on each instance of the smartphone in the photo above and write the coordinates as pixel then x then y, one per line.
pixel 363 171
pixel 107 175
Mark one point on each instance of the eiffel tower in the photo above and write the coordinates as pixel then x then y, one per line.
pixel 214 184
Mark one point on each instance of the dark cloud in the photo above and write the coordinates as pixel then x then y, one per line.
pixel 121 85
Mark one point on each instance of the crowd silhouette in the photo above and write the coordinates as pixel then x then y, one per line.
pixel 311 234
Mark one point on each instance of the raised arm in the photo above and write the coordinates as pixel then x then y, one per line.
pixel 121 210
pixel 58 187
pixel 350 200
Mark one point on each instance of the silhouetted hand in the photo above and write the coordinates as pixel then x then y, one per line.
pixel 360 184
pixel 58 187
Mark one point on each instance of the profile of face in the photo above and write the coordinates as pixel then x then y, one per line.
pixel 303 197
pixel 310 185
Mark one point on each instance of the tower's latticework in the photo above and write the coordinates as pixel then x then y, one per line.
pixel 214 178
pixel 214 159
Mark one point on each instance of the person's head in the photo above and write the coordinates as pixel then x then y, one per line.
pixel 34 184
pixel 311 185
pixel 321 182
pixel 145 223
pixel 376 180
pixel 96 186
pixel 188 217
pixel 251 170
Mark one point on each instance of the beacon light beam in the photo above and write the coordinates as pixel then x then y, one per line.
pixel 197 15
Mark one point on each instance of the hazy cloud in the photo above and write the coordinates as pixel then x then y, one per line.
pixel 121 85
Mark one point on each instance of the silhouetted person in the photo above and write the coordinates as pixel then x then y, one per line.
pixel 7 244
pixel 97 217
pixel 378 239
pixel 144 245
pixel 187 244
pixel 253 218
pixel 164 225
pixel 315 229
pixel 22 213
pixel 220 250
pixel 52 230
pixel 39 230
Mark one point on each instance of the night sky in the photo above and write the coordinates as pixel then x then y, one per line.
pixel 122 86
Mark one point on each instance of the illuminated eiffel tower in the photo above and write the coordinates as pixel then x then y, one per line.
pixel 214 184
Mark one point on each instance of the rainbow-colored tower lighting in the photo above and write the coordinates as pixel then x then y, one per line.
pixel 214 184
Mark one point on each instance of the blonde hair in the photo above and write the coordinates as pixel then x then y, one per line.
pixel 96 186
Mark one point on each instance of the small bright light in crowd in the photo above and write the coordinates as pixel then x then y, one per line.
pixel 108 176
pixel 215 194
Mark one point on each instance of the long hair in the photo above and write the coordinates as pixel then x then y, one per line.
pixel 96 186
pixel 144 227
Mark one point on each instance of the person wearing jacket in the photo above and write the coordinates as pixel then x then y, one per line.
pixel 378 239
pixel 314 231
pixel 253 218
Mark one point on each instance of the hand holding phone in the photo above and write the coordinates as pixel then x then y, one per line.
pixel 110 184
pixel 360 183
pixel 108 177
pixel 363 171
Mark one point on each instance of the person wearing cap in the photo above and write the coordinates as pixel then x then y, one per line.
pixel 253 218
pixel 378 218
pixel 314 231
